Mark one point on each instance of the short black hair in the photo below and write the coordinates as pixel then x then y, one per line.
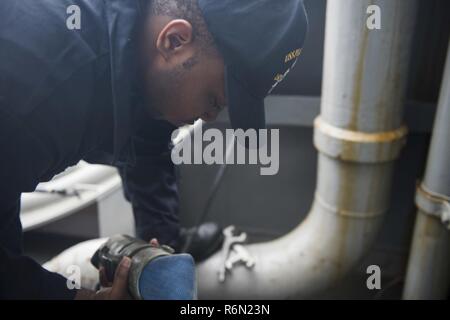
pixel 188 10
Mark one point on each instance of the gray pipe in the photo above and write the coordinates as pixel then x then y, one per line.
pixel 359 134
pixel 428 274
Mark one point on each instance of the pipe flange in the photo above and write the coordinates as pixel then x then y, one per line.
pixel 433 204
pixel 358 146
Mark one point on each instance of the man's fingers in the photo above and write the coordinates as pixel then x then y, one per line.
pixel 103 278
pixel 120 284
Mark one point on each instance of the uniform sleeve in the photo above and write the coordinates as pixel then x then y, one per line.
pixel 20 276
pixel 23 159
pixel 151 185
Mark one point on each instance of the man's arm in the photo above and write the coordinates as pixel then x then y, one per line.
pixel 150 184
pixel 23 160
pixel 20 276
pixel 23 278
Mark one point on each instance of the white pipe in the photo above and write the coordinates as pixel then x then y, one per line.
pixel 358 134
pixel 92 183
pixel 428 274
pixel 80 256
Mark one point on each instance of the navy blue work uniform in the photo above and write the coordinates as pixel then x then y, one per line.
pixel 68 95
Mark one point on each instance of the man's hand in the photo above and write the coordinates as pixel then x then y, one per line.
pixel 118 289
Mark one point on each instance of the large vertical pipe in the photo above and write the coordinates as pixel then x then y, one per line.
pixel 359 134
pixel 428 274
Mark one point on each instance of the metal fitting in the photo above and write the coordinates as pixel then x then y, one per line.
pixel 433 204
pixel 347 213
pixel 358 146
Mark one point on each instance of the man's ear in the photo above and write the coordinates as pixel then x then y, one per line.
pixel 176 36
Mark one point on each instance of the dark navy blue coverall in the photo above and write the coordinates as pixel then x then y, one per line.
pixel 67 95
